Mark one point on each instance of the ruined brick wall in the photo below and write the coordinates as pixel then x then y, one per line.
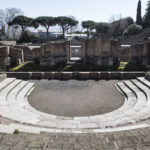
pixel 26 51
pixel 125 54
pixel 115 48
pixel 11 56
pixel 55 52
pixel 36 52
pixel 101 50
pixel 56 48
pixel 146 53
pixel 4 51
pixel 137 53
pixel 4 55
pixel 16 53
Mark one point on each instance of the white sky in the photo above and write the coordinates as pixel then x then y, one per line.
pixel 97 10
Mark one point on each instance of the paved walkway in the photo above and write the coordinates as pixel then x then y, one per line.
pixel 126 140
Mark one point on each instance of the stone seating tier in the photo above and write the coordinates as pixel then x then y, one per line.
pixel 14 105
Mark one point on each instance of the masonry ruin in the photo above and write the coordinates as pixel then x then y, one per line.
pixel 52 53
pixel 136 54
pixel 10 56
pixel 102 50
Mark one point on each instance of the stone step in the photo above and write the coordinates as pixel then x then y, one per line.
pixel 75 123
pixel 22 100
pixel 136 112
pixel 11 109
pixel 17 108
pixel 27 116
pixel 144 81
pixel 4 92
pixel 145 112
pixel 6 82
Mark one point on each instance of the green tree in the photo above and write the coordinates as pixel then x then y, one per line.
pixel 117 28
pixel 21 21
pixel 146 21
pixel 66 23
pixel 139 16
pixel 89 26
pixel 45 22
pixel 102 27
pixel 133 29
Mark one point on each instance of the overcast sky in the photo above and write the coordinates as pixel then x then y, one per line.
pixel 97 10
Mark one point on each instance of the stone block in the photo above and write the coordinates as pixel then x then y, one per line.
pixel 75 75
pixel 101 50
pixel 94 75
pixel 67 75
pixel 19 75
pixel 105 76
pixel 48 75
pixel 2 77
pixel 115 75
pixel 36 75
pixel 84 75
pixel 132 75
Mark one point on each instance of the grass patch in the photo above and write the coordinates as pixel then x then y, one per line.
pixel 29 67
pixel 122 66
pixel 16 68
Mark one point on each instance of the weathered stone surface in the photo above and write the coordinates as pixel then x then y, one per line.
pixel 2 77
pixel 4 54
pixel 137 54
pixel 101 50
pixel 36 52
pixel 6 43
pixel 124 140
pixel 16 55
pixel 10 55
pixel 26 51
pixel 55 52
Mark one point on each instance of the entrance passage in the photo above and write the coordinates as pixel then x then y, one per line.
pixel 75 52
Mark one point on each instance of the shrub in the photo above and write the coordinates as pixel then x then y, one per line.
pixel 16 132
pixel 27 37
pixel 133 29
pixel 118 27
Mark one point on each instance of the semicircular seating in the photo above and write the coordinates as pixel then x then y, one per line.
pixel 15 106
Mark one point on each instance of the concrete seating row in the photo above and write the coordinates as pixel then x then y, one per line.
pixel 15 106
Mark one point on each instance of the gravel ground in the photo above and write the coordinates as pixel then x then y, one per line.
pixel 75 98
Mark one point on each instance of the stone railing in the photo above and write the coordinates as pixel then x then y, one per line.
pixel 76 75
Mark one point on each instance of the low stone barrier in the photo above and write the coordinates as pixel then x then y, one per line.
pixel 147 76
pixel 3 76
pixel 76 75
